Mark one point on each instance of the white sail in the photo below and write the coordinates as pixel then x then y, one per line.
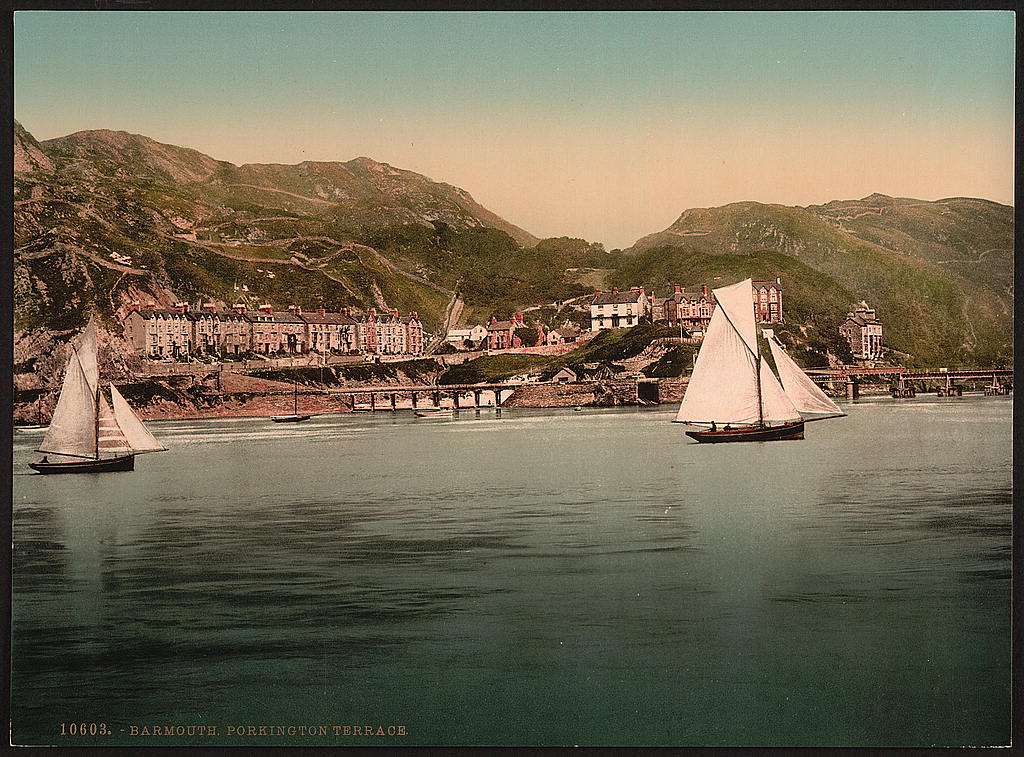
pixel 109 436
pixel 776 406
pixel 138 436
pixel 85 346
pixel 723 386
pixel 73 426
pixel 737 300
pixel 808 397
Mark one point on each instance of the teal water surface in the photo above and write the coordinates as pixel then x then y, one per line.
pixel 542 578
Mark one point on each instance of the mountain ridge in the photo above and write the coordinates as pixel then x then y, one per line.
pixel 359 180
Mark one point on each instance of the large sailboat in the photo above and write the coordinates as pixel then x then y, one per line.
pixel 86 426
pixel 733 395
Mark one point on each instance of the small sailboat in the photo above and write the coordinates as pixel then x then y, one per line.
pixel 38 425
pixel 733 395
pixel 294 417
pixel 85 425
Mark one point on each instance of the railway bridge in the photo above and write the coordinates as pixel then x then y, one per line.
pixel 903 379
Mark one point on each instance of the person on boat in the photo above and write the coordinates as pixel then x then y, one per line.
pixel 713 426
pixel 44 460
pixel 727 427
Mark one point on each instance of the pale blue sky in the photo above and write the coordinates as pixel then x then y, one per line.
pixel 601 125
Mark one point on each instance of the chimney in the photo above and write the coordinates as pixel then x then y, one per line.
pixel 704 289
pixel 778 279
pixel 238 307
pixel 373 312
pixel 597 292
pixel 394 312
pixel 292 308
pixel 415 314
pixel 135 306
pixel 634 290
pixel 346 311
pixel 679 289
pixel 267 308
pixel 210 307
pixel 321 311
pixel 615 290
pixel 519 317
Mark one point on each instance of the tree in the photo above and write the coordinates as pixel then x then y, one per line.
pixel 527 335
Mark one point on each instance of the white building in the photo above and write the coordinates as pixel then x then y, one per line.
pixel 473 333
pixel 618 310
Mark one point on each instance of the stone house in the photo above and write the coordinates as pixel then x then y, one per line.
pixel 326 332
pixel 366 325
pixel 564 335
pixel 768 301
pixel 276 332
pixel 501 334
pixel 864 333
pixel 390 334
pixel 158 332
pixel 413 333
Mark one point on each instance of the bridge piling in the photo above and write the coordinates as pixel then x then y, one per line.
pixel 852 390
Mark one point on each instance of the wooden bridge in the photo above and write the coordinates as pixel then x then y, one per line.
pixel 902 379
pixel 455 392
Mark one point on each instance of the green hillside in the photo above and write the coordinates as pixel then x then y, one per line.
pixel 937 311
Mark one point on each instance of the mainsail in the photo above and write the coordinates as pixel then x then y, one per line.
pixel 730 382
pixel 83 423
pixel 73 426
pixel 808 397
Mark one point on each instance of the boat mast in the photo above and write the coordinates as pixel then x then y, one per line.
pixel 96 415
pixel 760 398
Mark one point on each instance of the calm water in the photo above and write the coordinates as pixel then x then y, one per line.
pixel 547 577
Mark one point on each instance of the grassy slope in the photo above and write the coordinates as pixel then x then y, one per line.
pixel 932 313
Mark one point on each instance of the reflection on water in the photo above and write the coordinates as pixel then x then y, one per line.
pixel 539 578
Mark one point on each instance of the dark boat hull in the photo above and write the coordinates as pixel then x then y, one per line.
pixel 289 418
pixel 106 465
pixel 766 434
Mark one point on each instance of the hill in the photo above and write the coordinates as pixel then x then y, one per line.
pixel 939 273
pixel 103 218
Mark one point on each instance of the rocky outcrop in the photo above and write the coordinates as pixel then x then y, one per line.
pixel 28 154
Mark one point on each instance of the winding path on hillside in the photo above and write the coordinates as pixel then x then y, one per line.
pixel 283 192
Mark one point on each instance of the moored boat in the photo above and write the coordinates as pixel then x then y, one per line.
pixel 85 425
pixel 295 416
pixel 434 412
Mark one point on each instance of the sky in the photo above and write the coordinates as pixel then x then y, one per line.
pixel 601 125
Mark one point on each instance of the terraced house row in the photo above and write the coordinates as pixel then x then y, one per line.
pixel 179 332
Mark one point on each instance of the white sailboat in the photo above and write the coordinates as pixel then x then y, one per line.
pixel 85 425
pixel 733 395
